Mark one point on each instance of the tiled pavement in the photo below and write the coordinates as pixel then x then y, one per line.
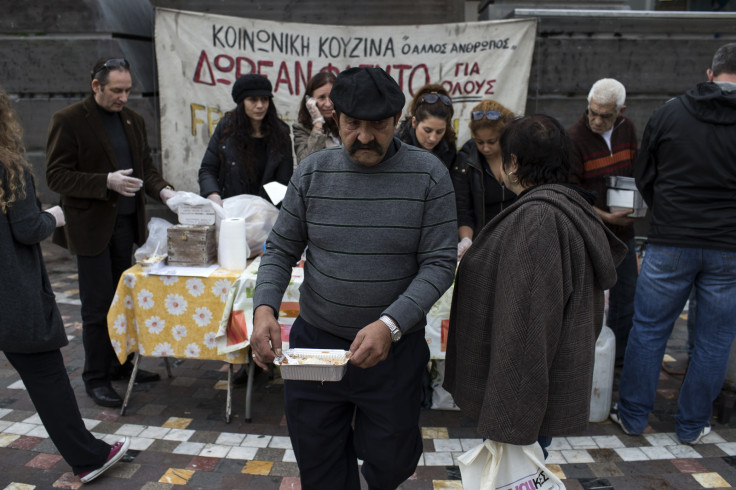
pixel 179 436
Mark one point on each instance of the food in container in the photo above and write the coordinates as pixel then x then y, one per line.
pixel 152 262
pixel 622 194
pixel 313 364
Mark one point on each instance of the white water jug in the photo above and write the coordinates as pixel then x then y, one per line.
pixel 605 357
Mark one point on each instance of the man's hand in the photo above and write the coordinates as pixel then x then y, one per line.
pixel 122 184
pixel 618 218
pixel 58 215
pixel 371 345
pixel 266 338
pixel 166 194
pixel 215 198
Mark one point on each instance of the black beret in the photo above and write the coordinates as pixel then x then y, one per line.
pixel 368 94
pixel 251 85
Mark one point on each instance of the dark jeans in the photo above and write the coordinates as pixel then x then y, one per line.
pixel 621 301
pixel 372 414
pixel 47 382
pixel 98 279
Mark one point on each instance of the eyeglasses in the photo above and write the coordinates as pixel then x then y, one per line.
pixel 433 98
pixel 492 115
pixel 111 64
pixel 604 117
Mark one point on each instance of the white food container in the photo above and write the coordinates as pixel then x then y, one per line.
pixel 622 194
pixel 334 370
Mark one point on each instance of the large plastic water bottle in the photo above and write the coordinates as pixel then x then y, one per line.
pixel 605 356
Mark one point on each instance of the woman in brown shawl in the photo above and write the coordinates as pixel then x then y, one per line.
pixel 528 299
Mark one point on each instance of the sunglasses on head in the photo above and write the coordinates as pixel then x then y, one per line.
pixel 433 98
pixel 111 64
pixel 492 115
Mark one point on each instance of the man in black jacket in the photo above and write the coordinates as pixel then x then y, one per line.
pixel 686 171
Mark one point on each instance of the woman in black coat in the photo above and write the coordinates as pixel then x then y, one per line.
pixel 31 329
pixel 250 146
pixel 429 123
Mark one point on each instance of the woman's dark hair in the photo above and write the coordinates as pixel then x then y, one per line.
pixel 240 130
pixel 421 110
pixel 319 80
pixel 541 148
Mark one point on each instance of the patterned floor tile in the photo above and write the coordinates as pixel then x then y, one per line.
pixel 19 486
pixel 176 476
pixel 26 442
pixel 688 466
pixel 202 463
pixel 193 448
pixel 177 423
pixel 438 459
pixel 447 485
pixel 230 439
pixel 7 439
pixel 290 483
pixel 242 453
pixel 434 433
pixel 178 435
pixel 447 445
pixel 257 467
pixel 608 442
pixel 710 480
pixel 577 456
pixel 657 453
pixel 44 461
pixel 631 454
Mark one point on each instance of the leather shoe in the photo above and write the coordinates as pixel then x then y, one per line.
pixel 142 376
pixel 105 396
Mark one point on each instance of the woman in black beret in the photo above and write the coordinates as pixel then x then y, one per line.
pixel 250 146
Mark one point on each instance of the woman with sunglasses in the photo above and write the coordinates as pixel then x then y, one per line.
pixel 429 123
pixel 250 146
pixel 315 128
pixel 479 192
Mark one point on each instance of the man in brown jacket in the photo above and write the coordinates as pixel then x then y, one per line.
pixel 98 159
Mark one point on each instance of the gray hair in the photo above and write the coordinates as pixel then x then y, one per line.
pixel 724 60
pixel 608 91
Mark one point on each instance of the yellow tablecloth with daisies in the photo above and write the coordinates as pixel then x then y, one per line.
pixel 170 316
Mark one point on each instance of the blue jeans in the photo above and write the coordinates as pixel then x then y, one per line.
pixel 621 300
pixel 667 277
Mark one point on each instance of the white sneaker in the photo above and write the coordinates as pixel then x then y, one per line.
pixel 703 432
pixel 117 451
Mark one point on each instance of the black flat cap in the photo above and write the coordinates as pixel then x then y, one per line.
pixel 369 94
pixel 251 85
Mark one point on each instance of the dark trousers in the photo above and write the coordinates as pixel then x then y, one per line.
pixel 98 279
pixel 47 383
pixel 372 414
pixel 621 301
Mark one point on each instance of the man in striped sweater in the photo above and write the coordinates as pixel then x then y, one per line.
pixel 604 144
pixel 378 219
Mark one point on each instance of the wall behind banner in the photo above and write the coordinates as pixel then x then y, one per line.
pixel 49 46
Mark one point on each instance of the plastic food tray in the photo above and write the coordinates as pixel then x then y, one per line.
pixel 314 372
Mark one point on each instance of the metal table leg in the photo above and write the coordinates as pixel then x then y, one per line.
pixel 168 367
pixel 131 382
pixel 229 403
pixel 249 387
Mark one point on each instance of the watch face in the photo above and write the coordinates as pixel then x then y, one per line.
pixel 395 335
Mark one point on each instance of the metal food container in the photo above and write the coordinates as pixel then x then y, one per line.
pixel 622 194
pixel 335 368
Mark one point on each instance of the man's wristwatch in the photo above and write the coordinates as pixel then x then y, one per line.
pixel 391 324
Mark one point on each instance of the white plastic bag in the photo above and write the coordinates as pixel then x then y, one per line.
pixel 498 466
pixel 157 242
pixel 260 216
pixel 441 398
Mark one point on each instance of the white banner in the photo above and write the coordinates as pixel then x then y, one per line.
pixel 199 56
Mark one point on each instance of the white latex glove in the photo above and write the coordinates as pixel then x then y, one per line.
pixel 463 247
pixel 58 215
pixel 314 110
pixel 122 184
pixel 166 194
pixel 215 198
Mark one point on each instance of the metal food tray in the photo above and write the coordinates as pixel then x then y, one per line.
pixel 314 372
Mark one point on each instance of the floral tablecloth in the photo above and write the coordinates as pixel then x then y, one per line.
pixel 170 316
pixel 237 320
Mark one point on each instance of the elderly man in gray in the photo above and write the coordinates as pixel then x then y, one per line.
pixel 604 144
pixel 378 219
